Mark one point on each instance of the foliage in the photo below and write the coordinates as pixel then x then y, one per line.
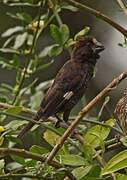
pixel 19 53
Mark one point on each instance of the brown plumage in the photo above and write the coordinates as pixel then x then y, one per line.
pixel 121 112
pixel 70 82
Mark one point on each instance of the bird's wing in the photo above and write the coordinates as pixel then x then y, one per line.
pixel 68 80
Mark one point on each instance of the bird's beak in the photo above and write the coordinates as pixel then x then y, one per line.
pixel 98 47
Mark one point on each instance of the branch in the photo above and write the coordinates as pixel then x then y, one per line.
pixel 99 15
pixel 10 175
pixel 122 5
pixel 83 112
pixel 27 154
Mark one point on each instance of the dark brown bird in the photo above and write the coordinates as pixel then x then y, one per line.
pixel 121 112
pixel 70 82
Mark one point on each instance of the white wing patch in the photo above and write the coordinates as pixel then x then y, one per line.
pixel 68 95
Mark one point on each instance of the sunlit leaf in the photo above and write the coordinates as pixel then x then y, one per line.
pixel 18 159
pixel 2 129
pixel 55 50
pixel 14 110
pixel 51 137
pixel 11 31
pixel 15 124
pixel 98 133
pixel 64 30
pixel 1 140
pixel 83 32
pixel 55 33
pixel 72 160
pixel 118 162
pixel 80 172
pixel 69 7
pixel 20 40
pixel 38 149
pixel 119 176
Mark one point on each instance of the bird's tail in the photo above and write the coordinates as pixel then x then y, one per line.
pixel 37 117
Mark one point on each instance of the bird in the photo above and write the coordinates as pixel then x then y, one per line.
pixel 121 112
pixel 70 82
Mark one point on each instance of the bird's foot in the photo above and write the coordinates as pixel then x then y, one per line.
pixel 57 124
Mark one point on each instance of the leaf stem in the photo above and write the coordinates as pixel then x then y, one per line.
pixel 99 15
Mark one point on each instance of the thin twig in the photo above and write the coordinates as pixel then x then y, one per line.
pixel 83 112
pixel 10 175
pixel 99 15
pixel 27 154
pixel 122 5
pixel 29 57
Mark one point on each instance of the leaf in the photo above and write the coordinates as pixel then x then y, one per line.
pixel 35 99
pixel 38 149
pixel 45 51
pixel 2 163
pixel 64 30
pixel 24 17
pixel 1 140
pixel 69 7
pixel 83 32
pixel 119 176
pixel 55 33
pixel 51 137
pixel 55 50
pixel 14 110
pixel 9 50
pixel 11 31
pixel 8 41
pixel 118 162
pixel 15 124
pixel 2 129
pixel 44 66
pixel 72 160
pixel 18 159
pixel 80 172
pixel 19 41
pixel 98 133
pixel 123 140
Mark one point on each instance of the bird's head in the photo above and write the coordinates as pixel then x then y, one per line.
pixel 87 49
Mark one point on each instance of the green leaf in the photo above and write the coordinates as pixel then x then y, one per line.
pixel 119 176
pixel 1 140
pixel 2 163
pixel 72 160
pixel 6 87
pixel 20 40
pixel 44 66
pixel 51 137
pixel 69 7
pixel 80 172
pixel 15 124
pixel 38 149
pixel 83 32
pixel 45 51
pixel 55 50
pixel 14 110
pixel 64 30
pixel 11 31
pixel 24 17
pixel 98 133
pixel 123 140
pixel 55 33
pixel 35 99
pixel 118 162
pixel 18 159
pixel 9 50
pixel 3 99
